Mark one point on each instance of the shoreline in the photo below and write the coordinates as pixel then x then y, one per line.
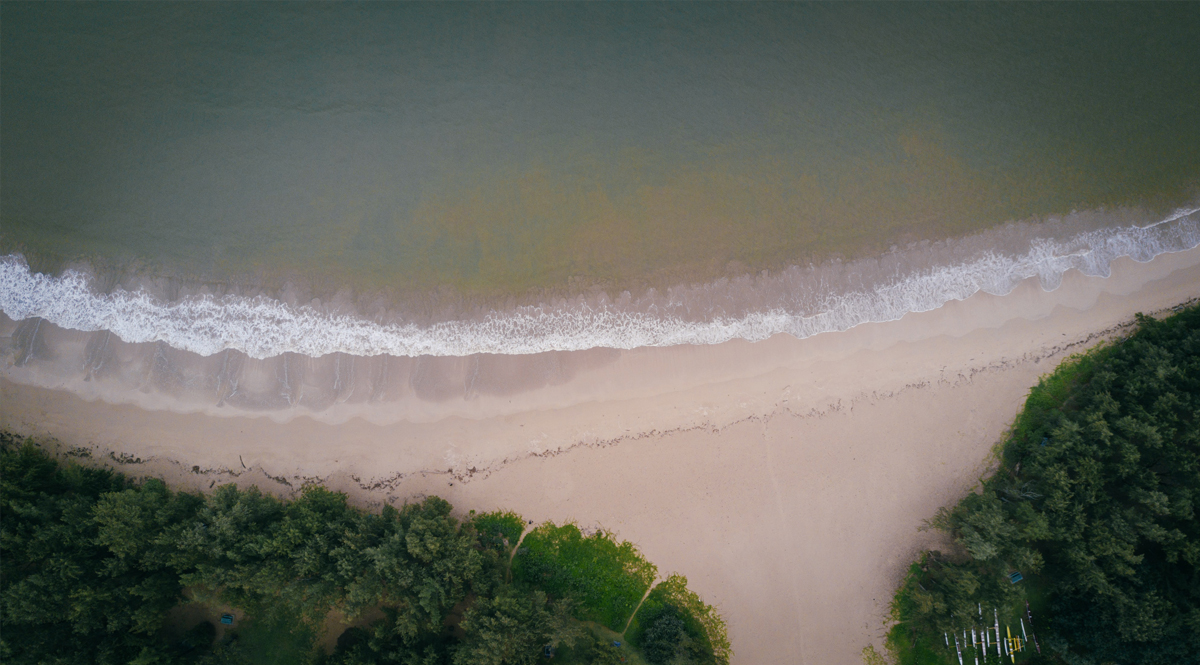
pixel 209 336
pixel 786 478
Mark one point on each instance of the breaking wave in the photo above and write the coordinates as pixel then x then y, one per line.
pixel 799 301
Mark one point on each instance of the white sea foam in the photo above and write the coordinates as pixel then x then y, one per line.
pixel 264 327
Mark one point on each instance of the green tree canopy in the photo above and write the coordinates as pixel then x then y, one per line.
pixel 91 564
pixel 607 577
pixel 1095 496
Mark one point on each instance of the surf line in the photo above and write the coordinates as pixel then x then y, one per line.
pixel 264 327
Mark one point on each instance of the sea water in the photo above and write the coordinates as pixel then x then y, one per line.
pixel 189 185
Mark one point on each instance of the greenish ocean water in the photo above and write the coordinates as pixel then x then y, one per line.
pixel 457 160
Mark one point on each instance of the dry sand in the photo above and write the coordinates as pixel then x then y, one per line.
pixel 786 479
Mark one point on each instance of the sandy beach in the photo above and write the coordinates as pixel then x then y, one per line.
pixel 786 479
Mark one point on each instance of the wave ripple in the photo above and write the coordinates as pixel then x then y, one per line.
pixel 802 306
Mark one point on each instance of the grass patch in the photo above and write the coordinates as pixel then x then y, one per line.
pixel 278 638
pixel 607 578
pixel 910 647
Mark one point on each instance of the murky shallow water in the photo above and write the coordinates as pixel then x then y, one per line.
pixel 245 182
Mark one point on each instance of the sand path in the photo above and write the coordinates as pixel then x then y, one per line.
pixel 786 479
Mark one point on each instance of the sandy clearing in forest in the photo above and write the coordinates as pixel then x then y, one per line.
pixel 786 479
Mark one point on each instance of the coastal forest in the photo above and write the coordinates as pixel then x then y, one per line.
pixel 1084 542
pixel 97 568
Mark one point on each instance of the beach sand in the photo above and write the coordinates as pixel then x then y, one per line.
pixel 787 479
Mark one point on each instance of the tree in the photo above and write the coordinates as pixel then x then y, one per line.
pixel 663 640
pixel 134 525
pixel 703 638
pixel 66 597
pixel 419 563
pixel 1096 492
pixel 91 563
pixel 513 627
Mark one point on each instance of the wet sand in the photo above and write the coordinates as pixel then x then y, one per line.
pixel 786 479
